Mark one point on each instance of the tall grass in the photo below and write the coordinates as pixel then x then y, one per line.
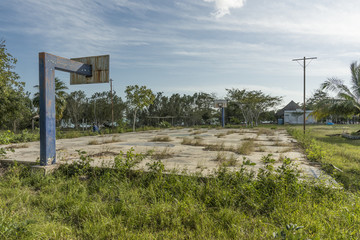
pixel 80 202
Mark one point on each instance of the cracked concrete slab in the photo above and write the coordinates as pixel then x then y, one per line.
pixel 273 143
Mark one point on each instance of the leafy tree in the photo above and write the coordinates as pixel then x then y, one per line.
pixel 138 98
pixel 101 106
pixel 75 106
pixel 203 107
pixel 252 103
pixel 347 100
pixel 13 102
pixel 320 102
pixel 60 98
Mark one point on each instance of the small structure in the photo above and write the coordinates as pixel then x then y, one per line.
pixel 293 114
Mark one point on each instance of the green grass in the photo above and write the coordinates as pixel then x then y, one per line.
pixel 79 202
pixel 333 152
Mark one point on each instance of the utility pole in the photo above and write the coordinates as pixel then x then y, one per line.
pixel 112 106
pixel 304 66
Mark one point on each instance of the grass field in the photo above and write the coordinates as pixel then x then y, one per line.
pixel 80 202
pixel 339 156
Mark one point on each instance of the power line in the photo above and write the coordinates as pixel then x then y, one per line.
pixel 304 66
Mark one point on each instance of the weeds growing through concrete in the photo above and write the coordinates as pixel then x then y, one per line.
pixel 268 159
pixel 94 142
pixel 279 143
pixel 198 132
pixel 246 147
pixel 224 160
pixel 163 154
pixel 161 138
pixel 192 142
pixel 265 131
pixel 248 162
pixel 261 149
pixel 16 146
pixel 105 141
pixel 220 135
pixel 216 147
pixel 231 132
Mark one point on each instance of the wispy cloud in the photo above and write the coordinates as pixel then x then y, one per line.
pixel 222 7
pixel 181 38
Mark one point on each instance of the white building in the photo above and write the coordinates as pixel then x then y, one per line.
pixel 297 117
pixel 293 114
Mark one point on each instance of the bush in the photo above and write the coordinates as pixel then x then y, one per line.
pixel 165 124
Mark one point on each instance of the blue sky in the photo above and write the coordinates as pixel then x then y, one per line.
pixel 186 46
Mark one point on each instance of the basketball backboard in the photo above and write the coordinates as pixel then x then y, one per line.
pixel 100 70
pixel 220 103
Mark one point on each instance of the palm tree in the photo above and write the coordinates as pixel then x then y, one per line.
pixel 60 98
pixel 347 100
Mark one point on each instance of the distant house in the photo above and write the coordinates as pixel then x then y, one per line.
pixel 293 114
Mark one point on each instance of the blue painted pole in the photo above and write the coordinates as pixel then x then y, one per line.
pixel 48 63
pixel 47 110
pixel 223 116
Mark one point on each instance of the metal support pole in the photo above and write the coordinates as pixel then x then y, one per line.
pixel 112 106
pixel 223 117
pixel 48 63
pixel 47 110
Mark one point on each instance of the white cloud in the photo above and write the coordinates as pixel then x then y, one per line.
pixel 222 7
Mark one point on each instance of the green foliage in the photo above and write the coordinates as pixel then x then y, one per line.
pixel 346 103
pixel 337 156
pixel 165 124
pixel 267 159
pixel 153 205
pixel 83 165
pixel 248 162
pixel 251 103
pixel 292 231
pixel 2 153
pixel 9 228
pixel 13 100
pixel 314 151
pixel 156 167
pixel 124 163
pixel 60 98
pixel 7 137
pixel 138 98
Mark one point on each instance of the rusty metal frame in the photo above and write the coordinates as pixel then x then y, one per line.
pixel 48 63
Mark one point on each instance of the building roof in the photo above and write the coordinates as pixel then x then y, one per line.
pixel 290 106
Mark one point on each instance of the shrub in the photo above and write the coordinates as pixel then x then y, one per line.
pixel 124 163
pixel 164 124
pixel 7 137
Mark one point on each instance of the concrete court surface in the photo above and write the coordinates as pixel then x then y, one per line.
pixel 192 158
